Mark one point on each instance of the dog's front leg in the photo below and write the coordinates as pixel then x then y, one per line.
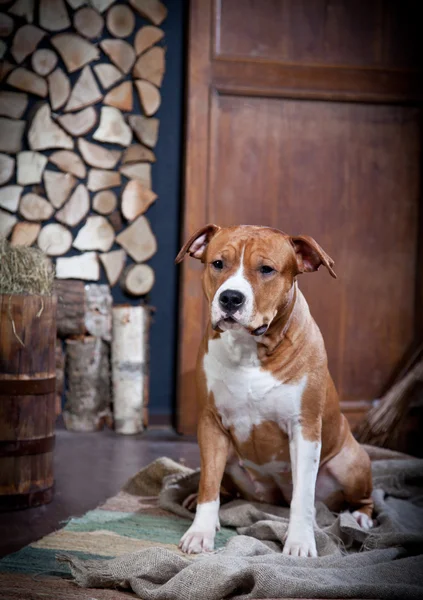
pixel 214 447
pixel 305 457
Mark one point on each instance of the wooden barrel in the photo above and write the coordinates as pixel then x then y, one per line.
pixel 27 400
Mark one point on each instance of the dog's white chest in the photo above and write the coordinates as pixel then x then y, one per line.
pixel 245 395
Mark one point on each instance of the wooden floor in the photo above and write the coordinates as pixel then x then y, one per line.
pixel 90 467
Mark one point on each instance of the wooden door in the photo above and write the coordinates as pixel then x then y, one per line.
pixel 304 115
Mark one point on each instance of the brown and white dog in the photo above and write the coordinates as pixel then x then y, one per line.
pixel 270 426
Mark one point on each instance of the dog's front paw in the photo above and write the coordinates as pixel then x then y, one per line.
pixel 195 541
pixel 363 520
pixel 300 544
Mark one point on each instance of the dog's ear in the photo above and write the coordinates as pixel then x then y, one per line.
pixel 197 244
pixel 310 255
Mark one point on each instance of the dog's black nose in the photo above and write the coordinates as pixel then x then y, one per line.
pixel 231 301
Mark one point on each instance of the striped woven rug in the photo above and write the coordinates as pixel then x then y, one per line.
pixel 125 523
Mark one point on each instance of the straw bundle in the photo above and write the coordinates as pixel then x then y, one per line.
pixel 384 424
pixel 24 270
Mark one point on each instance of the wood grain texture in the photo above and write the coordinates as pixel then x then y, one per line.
pixel 363 33
pixel 321 171
pixel 27 361
pixel 70 308
pixel 333 167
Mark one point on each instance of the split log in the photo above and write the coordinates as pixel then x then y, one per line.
pixel 87 406
pixel 149 97
pixel 6 25
pixel 146 37
pixel 138 153
pixel 35 208
pixel 23 8
pixel 151 66
pixel 44 61
pixel 11 135
pixel 76 208
pixel 85 266
pixel 146 129
pixel 7 167
pixel 55 240
pixel 116 220
pixel 120 21
pixel 137 280
pixel 69 162
pixel 153 10
pixel 60 375
pixel 13 104
pixel 27 81
pixel 53 15
pixel 113 263
pixel 44 133
pixel 5 68
pixel 98 312
pixel 25 234
pixel 101 5
pixel 7 223
pixel 120 53
pixel 30 166
pixel 70 308
pixel 74 50
pixel 120 97
pixel 85 92
pixel 102 180
pixel 107 74
pixel 96 234
pixel 10 196
pixel 59 88
pixel 25 41
pixel 112 127
pixel 88 23
pixel 129 366
pixel 138 240
pixel 58 186
pixel 98 156
pixel 79 123
pixel 139 171
pixel 104 202
pixel 136 199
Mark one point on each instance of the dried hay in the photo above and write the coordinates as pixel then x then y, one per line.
pixel 24 270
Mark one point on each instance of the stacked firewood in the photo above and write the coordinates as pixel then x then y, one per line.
pixel 101 359
pixel 78 84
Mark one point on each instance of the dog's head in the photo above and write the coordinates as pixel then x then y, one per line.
pixel 250 271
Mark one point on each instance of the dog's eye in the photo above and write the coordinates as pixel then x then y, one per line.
pixel 265 269
pixel 218 264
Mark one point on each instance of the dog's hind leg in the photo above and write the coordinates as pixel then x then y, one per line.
pixel 350 472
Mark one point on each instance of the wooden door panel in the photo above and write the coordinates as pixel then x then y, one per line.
pixel 303 115
pixel 347 174
pixel 355 33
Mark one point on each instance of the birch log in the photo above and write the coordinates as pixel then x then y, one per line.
pixel 129 366
pixel 98 312
pixel 88 375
